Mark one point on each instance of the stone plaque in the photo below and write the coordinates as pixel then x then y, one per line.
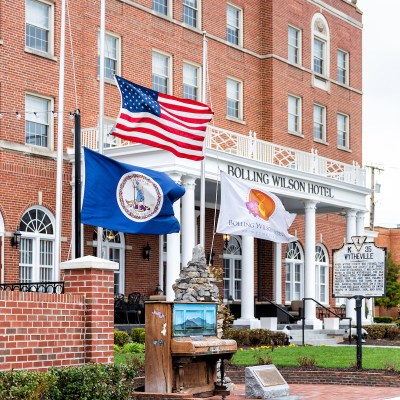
pixel 269 377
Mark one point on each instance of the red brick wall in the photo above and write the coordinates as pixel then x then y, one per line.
pixel 39 330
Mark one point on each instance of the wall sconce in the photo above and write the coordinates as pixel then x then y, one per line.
pixel 226 237
pixel 16 239
pixel 146 252
pixel 211 258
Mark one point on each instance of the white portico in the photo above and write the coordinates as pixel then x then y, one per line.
pixel 306 183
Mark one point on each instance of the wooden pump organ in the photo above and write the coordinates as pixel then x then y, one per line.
pixel 183 350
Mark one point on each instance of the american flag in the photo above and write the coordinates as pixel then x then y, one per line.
pixel 160 120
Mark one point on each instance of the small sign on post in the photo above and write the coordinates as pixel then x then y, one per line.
pixel 359 271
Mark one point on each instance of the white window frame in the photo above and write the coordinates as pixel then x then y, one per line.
pixel 198 74
pixel 321 265
pixel 31 117
pixel 117 59
pixel 341 68
pixel 298 48
pixel 36 239
pixel 169 69
pixel 239 117
pixel 198 14
pixel 294 259
pixel 239 28
pixel 232 259
pixel 169 9
pixel 297 116
pixel 322 123
pixel 50 50
pixel 346 132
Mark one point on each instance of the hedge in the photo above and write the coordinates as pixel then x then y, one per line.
pixel 88 382
pixel 390 332
pixel 255 337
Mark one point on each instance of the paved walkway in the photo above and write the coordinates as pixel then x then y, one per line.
pixel 330 392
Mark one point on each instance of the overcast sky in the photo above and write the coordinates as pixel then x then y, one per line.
pixel 381 103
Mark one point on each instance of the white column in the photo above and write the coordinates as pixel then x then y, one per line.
pixel 351 230
pixel 188 224
pixel 161 262
pixel 309 262
pixel 173 250
pixel 278 273
pixel 247 308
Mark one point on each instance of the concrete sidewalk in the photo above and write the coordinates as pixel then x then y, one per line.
pixel 329 392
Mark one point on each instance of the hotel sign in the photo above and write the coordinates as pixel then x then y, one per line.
pixel 359 269
pixel 277 181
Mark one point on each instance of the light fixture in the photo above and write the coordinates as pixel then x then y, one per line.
pixel 226 238
pixel 17 115
pixel 211 258
pixel 16 239
pixel 146 252
pixel 110 236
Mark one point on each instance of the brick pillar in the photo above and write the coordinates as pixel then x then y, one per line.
pixel 94 278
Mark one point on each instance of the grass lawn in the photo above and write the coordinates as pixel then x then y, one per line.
pixel 326 357
pixel 124 358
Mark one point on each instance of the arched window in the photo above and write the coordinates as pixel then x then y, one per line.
pixel 232 264
pixel 36 263
pixel 320 46
pixel 294 279
pixel 113 250
pixel 321 274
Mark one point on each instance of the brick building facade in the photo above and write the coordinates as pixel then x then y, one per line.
pixel 287 72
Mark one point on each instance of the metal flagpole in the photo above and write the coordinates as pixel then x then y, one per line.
pixel 78 183
pixel 60 145
pixel 101 107
pixel 203 162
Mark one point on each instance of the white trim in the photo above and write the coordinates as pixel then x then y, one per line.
pixel 322 140
pixel 118 50
pixel 299 45
pixel 347 132
pixel 240 27
pixel 199 77
pixel 198 15
pixel 169 68
pixel 299 115
pixel 347 64
pixel 239 118
pixel 89 262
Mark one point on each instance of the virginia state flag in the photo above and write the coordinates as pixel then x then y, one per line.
pixel 127 198
pixel 248 211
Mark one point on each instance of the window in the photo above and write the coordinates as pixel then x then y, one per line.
pixel 232 265
pixel 36 263
pixel 234 99
pixel 319 123
pixel 190 81
pixel 160 6
pixel 38 121
pixel 343 131
pixel 319 56
pixel 112 58
pixel 113 250
pixel 294 39
pixel 39 26
pixel 342 67
pixel 321 274
pixel 190 12
pixel 234 25
pixel 161 73
pixel 320 60
pixel 294 278
pixel 294 114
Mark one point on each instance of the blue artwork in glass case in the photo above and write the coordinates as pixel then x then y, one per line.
pixel 198 319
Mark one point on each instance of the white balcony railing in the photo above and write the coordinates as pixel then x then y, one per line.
pixel 250 147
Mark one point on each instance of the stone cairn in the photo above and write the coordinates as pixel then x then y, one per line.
pixel 197 284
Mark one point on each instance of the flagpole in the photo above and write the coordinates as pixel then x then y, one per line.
pixel 203 162
pixel 60 146
pixel 101 107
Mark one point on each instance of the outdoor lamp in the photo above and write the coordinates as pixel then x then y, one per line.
pixel 226 237
pixel 146 252
pixel 16 239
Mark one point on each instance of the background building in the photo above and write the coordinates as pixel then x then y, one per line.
pixel 284 81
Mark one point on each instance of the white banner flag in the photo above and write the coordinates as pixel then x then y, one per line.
pixel 248 211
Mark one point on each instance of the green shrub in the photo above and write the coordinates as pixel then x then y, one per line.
pixel 392 332
pixel 117 348
pixel 121 338
pixel 240 335
pixel 262 358
pixel 133 348
pixel 307 361
pixel 255 337
pixel 138 335
pixel 383 320
pixel 375 331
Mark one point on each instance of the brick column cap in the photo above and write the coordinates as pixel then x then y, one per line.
pixel 90 262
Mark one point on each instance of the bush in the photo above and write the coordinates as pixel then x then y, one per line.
pixel 117 348
pixel 375 331
pixel 255 337
pixel 240 335
pixel 138 335
pixel 121 338
pixel 383 320
pixel 133 348
pixel 89 382
pixel 307 361
pixel 392 332
pixel 262 358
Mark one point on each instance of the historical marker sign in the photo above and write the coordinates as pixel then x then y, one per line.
pixel 359 269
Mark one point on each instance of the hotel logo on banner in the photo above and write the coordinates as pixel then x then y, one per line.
pixel 280 181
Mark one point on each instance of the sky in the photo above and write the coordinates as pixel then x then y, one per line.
pixel 381 104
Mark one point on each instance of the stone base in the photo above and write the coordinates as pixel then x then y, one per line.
pixel 265 382
pixel 270 323
pixel 249 323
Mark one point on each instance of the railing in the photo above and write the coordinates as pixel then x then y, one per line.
pixel 42 287
pixel 282 309
pixel 250 147
pixel 329 311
